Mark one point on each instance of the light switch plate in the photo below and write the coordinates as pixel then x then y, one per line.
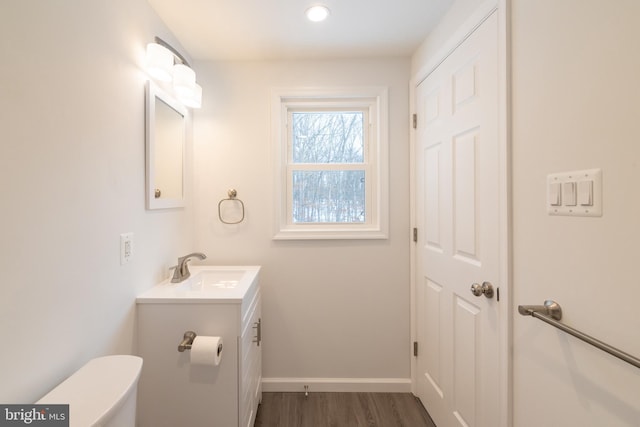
pixel 568 205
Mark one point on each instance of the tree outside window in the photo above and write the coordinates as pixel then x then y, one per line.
pixel 321 140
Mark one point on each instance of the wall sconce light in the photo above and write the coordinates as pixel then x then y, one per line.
pixel 165 64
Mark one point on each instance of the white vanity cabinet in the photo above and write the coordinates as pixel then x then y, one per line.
pixel 174 392
pixel 250 364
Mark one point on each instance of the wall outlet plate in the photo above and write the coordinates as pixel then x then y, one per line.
pixel 574 204
pixel 126 248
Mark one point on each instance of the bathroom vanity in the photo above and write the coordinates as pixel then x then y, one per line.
pixel 215 301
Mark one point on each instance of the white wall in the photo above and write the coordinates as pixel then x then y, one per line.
pixel 576 65
pixel 432 47
pixel 575 68
pixel 71 180
pixel 332 309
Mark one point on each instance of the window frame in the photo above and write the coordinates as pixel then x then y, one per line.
pixel 374 100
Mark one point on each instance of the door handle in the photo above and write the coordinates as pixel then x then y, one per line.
pixel 486 288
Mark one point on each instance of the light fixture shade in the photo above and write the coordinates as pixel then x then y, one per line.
pixel 192 99
pixel 317 13
pixel 159 62
pixel 184 80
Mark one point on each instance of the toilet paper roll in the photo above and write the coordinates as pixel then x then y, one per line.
pixel 206 351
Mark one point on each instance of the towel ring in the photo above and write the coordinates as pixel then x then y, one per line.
pixel 232 198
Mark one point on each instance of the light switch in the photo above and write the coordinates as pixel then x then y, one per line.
pixel 555 195
pixel 569 193
pixel 585 193
pixel 577 193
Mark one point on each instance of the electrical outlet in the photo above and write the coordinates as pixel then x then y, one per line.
pixel 126 248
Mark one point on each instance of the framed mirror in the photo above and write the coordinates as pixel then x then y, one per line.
pixel 165 149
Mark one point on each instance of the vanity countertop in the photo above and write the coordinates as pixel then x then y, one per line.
pixel 213 284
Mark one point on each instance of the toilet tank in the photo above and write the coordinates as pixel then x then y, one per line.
pixel 100 394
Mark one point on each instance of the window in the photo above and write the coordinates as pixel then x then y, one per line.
pixel 331 163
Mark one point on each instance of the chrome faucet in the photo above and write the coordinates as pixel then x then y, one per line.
pixel 181 271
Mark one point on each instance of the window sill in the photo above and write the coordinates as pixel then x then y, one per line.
pixel 331 234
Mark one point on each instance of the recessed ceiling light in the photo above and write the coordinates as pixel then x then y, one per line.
pixel 317 13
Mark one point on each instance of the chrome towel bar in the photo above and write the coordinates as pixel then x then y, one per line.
pixel 551 313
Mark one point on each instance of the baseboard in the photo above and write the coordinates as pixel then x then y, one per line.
pixel 371 385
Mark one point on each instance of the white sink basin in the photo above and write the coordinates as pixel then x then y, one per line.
pixel 216 279
pixel 220 283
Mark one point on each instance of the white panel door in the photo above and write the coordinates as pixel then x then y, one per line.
pixel 457 214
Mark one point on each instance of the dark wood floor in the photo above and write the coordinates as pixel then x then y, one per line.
pixel 341 410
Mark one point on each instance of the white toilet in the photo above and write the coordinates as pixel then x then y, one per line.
pixel 100 394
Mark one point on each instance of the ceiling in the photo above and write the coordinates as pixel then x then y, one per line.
pixel 278 29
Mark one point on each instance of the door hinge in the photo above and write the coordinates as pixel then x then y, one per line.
pixel 415 348
pixel 415 121
pixel 415 234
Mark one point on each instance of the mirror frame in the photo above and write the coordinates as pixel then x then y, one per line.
pixel 154 93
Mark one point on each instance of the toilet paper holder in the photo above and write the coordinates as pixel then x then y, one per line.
pixel 187 341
